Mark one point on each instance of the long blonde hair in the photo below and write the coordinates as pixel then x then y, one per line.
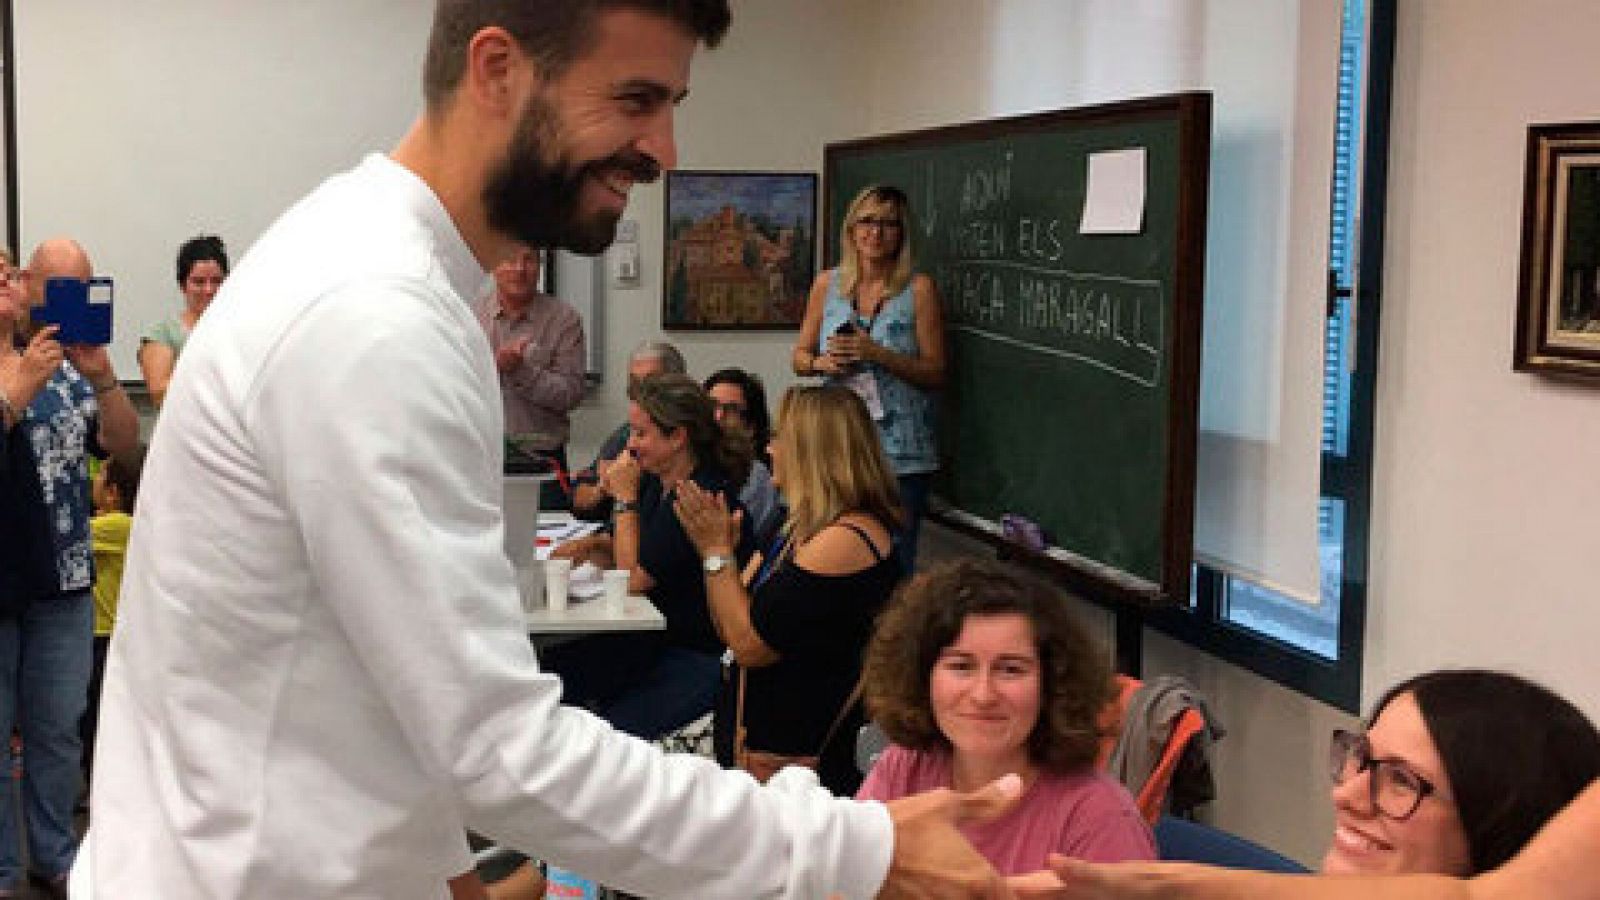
pixel 833 461
pixel 849 261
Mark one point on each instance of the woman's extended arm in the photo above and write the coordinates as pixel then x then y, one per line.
pixel 1558 864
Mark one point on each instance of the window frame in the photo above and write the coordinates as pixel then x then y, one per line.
pixel 1348 477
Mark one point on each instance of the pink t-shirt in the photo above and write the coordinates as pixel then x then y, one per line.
pixel 1087 815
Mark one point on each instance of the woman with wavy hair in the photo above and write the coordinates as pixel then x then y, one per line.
pixel 648 684
pixel 796 634
pixel 976 671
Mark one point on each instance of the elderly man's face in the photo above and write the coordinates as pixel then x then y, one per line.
pixel 518 277
pixel 588 136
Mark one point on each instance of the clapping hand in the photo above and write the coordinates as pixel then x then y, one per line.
pixel 621 478
pixel 509 355
pixel 705 519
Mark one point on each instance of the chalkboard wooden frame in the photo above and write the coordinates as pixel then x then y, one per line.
pixel 1190 112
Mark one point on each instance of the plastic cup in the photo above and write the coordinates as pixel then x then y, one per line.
pixel 557 572
pixel 530 583
pixel 520 507
pixel 616 590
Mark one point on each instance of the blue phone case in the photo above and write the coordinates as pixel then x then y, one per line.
pixel 81 308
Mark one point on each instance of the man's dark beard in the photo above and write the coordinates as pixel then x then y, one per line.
pixel 537 202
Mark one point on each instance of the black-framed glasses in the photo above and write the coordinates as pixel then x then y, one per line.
pixel 736 409
pixel 868 222
pixel 1395 789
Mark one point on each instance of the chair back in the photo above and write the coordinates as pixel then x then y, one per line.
pixel 1151 797
pixel 870 744
pixel 1180 840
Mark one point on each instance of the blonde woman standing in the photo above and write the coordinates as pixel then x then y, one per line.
pixel 876 326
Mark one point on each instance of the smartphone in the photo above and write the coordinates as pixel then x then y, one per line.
pixel 848 326
pixel 82 309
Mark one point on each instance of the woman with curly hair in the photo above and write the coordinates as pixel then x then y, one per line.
pixel 976 671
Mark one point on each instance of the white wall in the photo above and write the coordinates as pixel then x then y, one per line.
pixel 1485 509
pixel 140 125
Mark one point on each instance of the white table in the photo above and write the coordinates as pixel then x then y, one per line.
pixel 591 617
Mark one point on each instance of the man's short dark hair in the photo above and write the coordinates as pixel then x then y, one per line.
pixel 123 471
pixel 553 32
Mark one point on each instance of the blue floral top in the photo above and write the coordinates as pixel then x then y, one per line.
pixel 56 433
pixel 907 425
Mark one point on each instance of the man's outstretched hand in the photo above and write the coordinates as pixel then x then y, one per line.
pixel 932 861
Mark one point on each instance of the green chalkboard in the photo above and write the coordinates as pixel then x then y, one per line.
pixel 1075 356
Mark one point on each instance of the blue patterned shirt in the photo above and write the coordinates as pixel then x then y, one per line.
pixel 907 425
pixel 59 430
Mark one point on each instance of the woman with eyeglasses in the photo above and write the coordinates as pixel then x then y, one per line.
pixel 741 403
pixel 1455 774
pixel 876 326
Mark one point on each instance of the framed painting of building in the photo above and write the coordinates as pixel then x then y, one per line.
pixel 740 249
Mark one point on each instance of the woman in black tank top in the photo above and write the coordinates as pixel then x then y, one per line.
pixel 798 620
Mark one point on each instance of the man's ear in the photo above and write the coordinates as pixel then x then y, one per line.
pixel 497 72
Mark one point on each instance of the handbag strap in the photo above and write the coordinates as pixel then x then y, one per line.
pixel 827 738
pixel 844 710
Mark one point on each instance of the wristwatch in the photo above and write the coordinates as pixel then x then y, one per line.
pixel 622 506
pixel 714 563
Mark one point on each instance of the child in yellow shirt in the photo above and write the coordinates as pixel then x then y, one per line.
pixel 114 489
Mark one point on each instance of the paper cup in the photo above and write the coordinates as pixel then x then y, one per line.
pixel 556 574
pixel 616 584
